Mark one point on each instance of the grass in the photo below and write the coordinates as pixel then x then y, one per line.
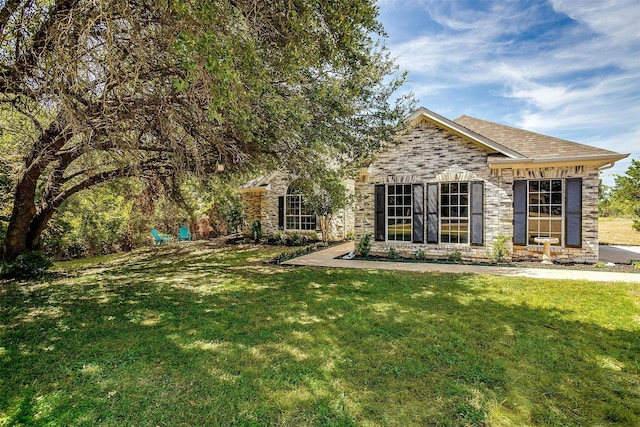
pixel 617 231
pixel 196 335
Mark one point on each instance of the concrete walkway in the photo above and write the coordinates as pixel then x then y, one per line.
pixel 327 258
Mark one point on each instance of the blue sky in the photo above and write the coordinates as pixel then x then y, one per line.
pixel 565 68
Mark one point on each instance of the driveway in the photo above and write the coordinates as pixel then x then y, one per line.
pixel 619 254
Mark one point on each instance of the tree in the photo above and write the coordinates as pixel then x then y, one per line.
pixel 626 191
pixel 324 197
pixel 163 89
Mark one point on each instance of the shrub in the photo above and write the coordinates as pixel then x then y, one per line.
pixel 420 254
pixel 393 253
pixel 295 239
pixel 600 265
pixel 31 265
pixel 500 251
pixel 364 245
pixel 313 237
pixel 256 231
pixel 455 256
pixel 351 235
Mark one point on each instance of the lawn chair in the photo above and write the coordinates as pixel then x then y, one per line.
pixel 184 234
pixel 160 240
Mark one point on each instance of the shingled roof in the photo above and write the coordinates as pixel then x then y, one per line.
pixel 512 146
pixel 530 144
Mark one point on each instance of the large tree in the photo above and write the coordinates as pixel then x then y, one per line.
pixel 115 88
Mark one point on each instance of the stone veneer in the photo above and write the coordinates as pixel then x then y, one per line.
pixel 262 204
pixel 428 154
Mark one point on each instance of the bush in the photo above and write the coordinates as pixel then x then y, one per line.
pixel 313 237
pixel 256 231
pixel 455 256
pixel 500 251
pixel 364 245
pixel 393 253
pixel 421 255
pixel 351 235
pixel 32 265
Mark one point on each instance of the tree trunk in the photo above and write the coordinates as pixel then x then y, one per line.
pixel 17 240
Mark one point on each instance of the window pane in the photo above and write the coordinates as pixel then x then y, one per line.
pixel 534 186
pixel 556 185
pixel 545 185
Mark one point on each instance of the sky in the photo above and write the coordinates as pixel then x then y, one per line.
pixel 564 68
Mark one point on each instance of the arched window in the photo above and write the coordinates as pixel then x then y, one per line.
pixel 296 214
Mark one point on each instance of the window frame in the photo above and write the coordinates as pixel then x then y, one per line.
pixel 294 208
pixel 559 203
pixel 458 206
pixel 407 209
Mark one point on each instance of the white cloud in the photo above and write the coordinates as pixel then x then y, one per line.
pixel 579 78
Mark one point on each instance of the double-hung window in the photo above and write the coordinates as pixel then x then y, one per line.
pixel 454 212
pixel 399 203
pixel 297 216
pixel 545 209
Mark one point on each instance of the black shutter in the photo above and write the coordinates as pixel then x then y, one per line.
pixel 520 213
pixel 418 213
pixel 281 212
pixel 432 213
pixel 477 213
pixel 380 218
pixel 573 215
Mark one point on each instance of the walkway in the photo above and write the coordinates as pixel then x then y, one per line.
pixel 327 258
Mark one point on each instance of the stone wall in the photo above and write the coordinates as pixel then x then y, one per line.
pixel 342 221
pixel 430 154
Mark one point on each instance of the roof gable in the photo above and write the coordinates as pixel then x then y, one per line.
pixel 518 145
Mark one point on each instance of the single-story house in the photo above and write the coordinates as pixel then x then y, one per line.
pixel 457 185
pixel 274 200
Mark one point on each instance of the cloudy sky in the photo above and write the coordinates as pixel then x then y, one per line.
pixel 565 68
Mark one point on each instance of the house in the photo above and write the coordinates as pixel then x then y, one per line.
pixel 458 185
pixel 274 200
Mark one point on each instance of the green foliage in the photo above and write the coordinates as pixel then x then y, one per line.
pixel 393 253
pixel 500 248
pixel 455 256
pixel 27 266
pixel 351 235
pixel 256 231
pixel 420 254
pixel 623 199
pixel 363 248
pixel 95 223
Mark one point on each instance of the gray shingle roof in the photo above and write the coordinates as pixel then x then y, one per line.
pixel 530 144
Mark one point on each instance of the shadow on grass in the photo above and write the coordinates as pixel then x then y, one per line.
pixel 211 339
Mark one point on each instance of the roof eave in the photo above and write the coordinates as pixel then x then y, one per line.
pixel 598 161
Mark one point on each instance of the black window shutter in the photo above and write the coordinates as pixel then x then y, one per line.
pixel 418 213
pixel 380 217
pixel 573 216
pixel 520 213
pixel 432 213
pixel 477 213
pixel 281 212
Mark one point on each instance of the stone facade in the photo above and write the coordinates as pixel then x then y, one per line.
pixel 430 153
pixel 261 203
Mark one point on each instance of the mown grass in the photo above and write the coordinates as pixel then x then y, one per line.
pixel 195 335
pixel 617 231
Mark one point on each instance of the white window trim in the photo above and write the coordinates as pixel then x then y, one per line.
pixel 387 216
pixel 440 242
pixel 299 215
pixel 562 215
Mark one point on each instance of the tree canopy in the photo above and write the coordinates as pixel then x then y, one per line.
pixel 95 90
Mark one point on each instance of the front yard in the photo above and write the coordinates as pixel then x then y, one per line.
pixel 195 334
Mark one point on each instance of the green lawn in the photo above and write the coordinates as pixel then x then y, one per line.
pixel 191 335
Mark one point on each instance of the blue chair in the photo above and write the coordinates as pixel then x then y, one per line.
pixel 184 234
pixel 160 240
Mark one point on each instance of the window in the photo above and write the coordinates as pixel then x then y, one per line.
pixel 545 209
pixel 399 204
pixel 297 215
pixel 454 212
